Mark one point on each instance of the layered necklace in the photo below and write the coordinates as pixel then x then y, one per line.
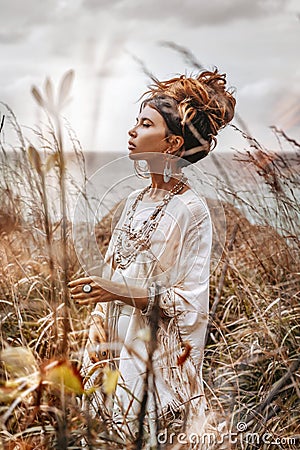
pixel 130 242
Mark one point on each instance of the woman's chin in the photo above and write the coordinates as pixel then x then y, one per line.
pixel 131 155
pixel 135 156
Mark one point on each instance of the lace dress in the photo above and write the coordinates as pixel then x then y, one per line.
pixel 179 259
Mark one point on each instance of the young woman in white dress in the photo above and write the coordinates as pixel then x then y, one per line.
pixel 158 262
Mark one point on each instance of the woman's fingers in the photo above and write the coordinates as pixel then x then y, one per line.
pixel 97 352
pixel 80 281
pixel 95 292
pixel 76 286
pixel 84 301
pixel 91 290
pixel 87 299
pixel 97 295
pixel 96 345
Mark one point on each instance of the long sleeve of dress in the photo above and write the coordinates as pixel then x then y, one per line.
pixel 188 298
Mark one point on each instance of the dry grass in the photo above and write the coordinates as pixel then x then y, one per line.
pixel 251 366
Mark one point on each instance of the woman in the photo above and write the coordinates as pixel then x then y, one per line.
pixel 157 263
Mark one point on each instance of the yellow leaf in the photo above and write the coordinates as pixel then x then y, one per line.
pixel 110 380
pixel 19 361
pixel 62 374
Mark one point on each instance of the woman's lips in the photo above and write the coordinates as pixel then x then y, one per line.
pixel 131 145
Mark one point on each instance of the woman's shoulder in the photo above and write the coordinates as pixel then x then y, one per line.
pixel 134 194
pixel 194 203
pixel 130 198
pixel 189 203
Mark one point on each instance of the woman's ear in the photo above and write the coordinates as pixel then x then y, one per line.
pixel 176 143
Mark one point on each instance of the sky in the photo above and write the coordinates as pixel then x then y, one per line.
pixel 256 43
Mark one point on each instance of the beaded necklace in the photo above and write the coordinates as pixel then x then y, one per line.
pixel 131 242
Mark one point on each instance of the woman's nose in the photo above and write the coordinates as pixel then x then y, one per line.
pixel 132 132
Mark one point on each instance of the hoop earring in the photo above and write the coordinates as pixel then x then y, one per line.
pixel 167 169
pixel 141 171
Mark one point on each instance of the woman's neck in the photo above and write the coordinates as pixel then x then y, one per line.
pixel 157 181
pixel 159 186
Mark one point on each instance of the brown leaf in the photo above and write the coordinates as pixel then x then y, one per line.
pixel 184 355
pixel 37 95
pixel 65 87
pixel 51 161
pixel 35 159
pixel 19 444
pixel 49 93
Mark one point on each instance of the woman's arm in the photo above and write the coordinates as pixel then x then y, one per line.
pixel 107 291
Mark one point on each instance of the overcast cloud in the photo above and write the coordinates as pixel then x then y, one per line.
pixel 255 42
pixel 190 12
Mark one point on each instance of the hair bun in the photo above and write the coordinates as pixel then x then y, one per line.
pixel 203 104
pixel 220 104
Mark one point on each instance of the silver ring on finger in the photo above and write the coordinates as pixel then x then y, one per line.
pixel 87 288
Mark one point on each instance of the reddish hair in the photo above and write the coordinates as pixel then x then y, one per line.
pixel 194 107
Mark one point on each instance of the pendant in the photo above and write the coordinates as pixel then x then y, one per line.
pixel 127 245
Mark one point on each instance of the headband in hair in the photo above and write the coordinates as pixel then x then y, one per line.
pixel 195 144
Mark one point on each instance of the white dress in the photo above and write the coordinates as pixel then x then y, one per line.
pixel 179 259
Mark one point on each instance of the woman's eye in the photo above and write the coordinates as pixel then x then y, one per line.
pixel 147 125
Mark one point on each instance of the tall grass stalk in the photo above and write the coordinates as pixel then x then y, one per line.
pixel 251 364
pixel 54 109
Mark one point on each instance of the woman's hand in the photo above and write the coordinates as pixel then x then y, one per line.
pixel 97 343
pixel 100 290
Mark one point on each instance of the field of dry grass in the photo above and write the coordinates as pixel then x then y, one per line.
pixel 252 361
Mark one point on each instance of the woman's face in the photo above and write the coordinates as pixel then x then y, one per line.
pixel 148 136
